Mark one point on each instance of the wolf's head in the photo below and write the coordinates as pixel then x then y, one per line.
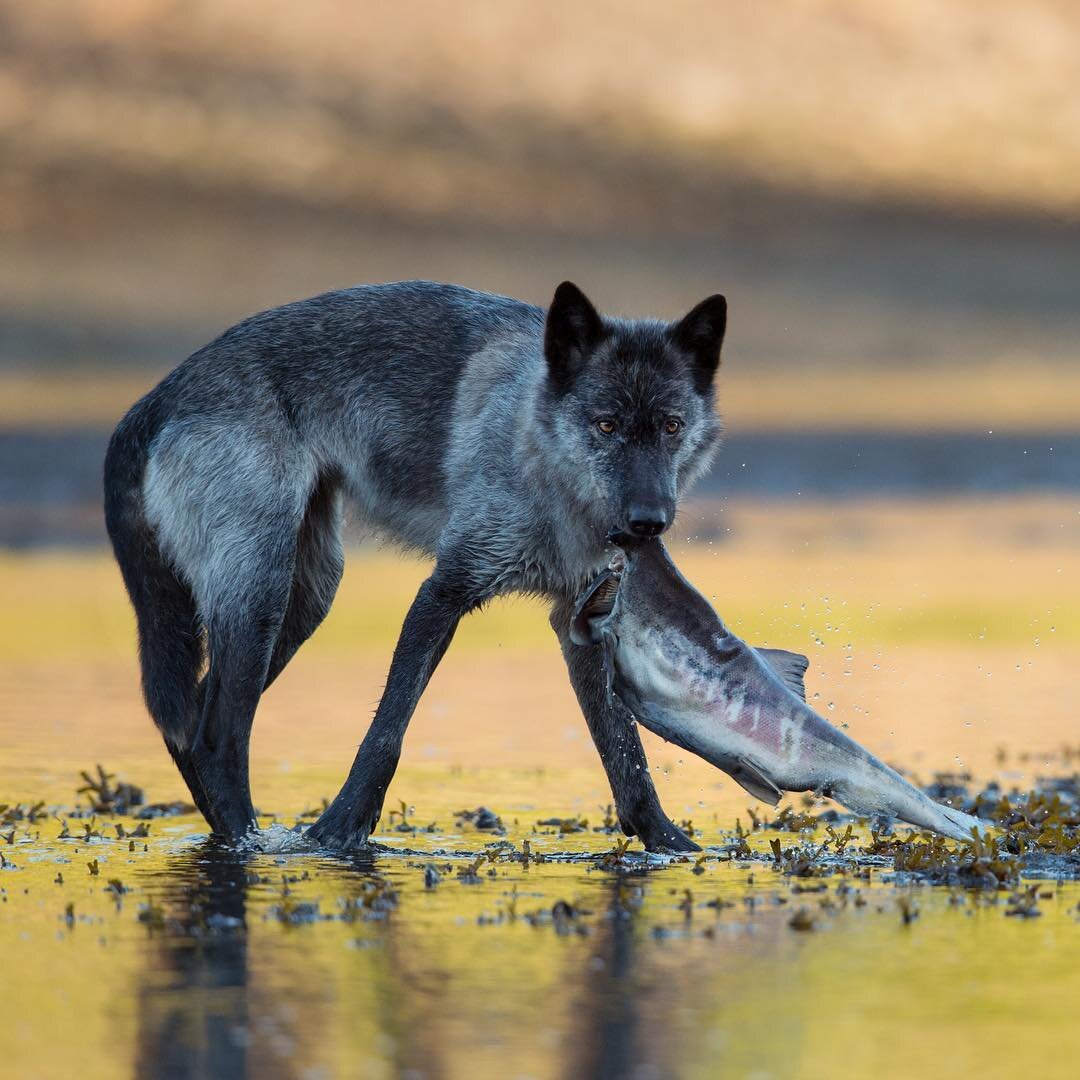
pixel 631 406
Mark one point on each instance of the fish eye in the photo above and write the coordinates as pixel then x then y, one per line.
pixel 606 425
pixel 673 425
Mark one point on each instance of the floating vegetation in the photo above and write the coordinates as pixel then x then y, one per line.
pixel 19 814
pixel 106 797
pixel 908 909
pixel 481 818
pixel 565 825
pixel 610 824
pixel 176 808
pixel 398 820
pixel 1024 903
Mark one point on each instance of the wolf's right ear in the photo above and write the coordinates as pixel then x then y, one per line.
pixel 573 329
pixel 701 333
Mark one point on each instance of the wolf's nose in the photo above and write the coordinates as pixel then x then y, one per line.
pixel 647 520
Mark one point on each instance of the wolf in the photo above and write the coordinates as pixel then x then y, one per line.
pixel 504 441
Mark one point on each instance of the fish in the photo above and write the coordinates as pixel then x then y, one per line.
pixel 685 676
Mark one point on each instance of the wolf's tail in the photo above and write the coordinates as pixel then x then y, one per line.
pixel 171 648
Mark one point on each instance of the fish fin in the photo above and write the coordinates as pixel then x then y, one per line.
pixel 790 666
pixel 749 777
pixel 593 608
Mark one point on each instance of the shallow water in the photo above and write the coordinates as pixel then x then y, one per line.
pixel 944 642
pixel 201 961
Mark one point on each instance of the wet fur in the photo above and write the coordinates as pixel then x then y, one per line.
pixel 456 423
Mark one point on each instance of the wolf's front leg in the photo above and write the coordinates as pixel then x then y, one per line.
pixel 616 738
pixel 425 636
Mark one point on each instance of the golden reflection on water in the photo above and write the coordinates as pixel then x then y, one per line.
pixel 206 964
pixel 211 963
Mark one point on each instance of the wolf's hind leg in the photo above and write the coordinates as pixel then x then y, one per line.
pixel 617 741
pixel 241 643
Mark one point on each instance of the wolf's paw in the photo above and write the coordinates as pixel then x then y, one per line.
pixel 659 833
pixel 344 828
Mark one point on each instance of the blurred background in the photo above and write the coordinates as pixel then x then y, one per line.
pixel 888 194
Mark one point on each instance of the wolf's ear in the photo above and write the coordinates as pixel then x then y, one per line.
pixel 573 329
pixel 701 333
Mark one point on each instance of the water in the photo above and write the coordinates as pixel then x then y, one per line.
pixel 211 963
pixel 206 962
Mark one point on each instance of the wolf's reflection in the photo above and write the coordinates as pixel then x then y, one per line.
pixel 217 1000
pixel 625 1025
pixel 193 1004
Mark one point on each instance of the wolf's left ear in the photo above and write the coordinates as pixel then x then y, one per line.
pixel 701 333
pixel 573 330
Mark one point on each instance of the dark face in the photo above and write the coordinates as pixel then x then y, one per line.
pixel 634 410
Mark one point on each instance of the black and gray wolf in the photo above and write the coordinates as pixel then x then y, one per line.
pixel 504 441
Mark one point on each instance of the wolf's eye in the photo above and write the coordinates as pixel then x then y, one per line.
pixel 673 425
pixel 606 425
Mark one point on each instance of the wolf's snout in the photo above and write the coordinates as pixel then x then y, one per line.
pixel 645 519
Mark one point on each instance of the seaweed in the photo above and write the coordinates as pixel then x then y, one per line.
pixel 1024 903
pixel 404 825
pixel 107 798
pixel 616 857
pixel 566 825
pixel 17 814
pixel 610 824
pixel 481 818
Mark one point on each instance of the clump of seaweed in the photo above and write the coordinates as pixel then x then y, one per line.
pixel 375 901
pixel 787 820
pixel 398 820
pixel 106 797
pixel 615 859
pixel 566 918
pixel 565 826
pixel 1024 903
pixel 177 808
pixel 17 814
pixel 610 823
pixel 481 818
pixel 980 864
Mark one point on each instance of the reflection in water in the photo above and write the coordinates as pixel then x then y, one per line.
pixel 609 1015
pixel 623 1031
pixel 219 998
pixel 408 983
pixel 193 1004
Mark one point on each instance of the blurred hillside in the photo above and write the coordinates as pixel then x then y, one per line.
pixel 868 182
pixel 572 115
